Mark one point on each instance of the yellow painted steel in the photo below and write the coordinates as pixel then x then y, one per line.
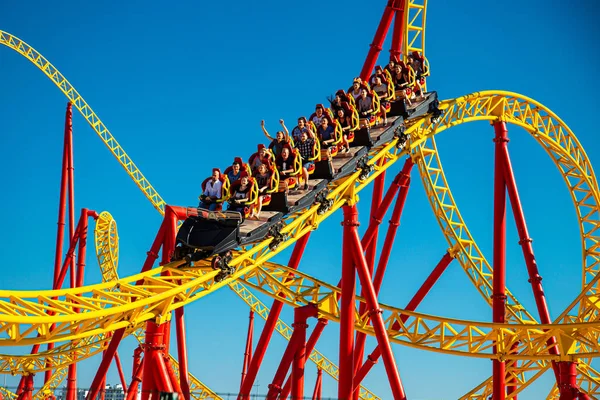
pixel 156 296
pixel 582 186
pixel 58 79
pixel 415 17
pixel 90 116
pixel 112 305
pixel 568 155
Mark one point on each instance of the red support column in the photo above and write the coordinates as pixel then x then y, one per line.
pixel 511 380
pixel 120 371
pixel 248 350
pixel 568 380
pixel 310 346
pixel 499 261
pixel 356 250
pixel 267 333
pixel 371 251
pixel 525 242
pixel 184 382
pixel 380 34
pixel 318 385
pixel 301 315
pixel 346 358
pixel 106 360
pixel 398 35
pixel 62 205
pixel 284 365
pixel 136 378
pixel 412 305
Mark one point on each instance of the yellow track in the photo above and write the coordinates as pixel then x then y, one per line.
pixel 108 306
pixel 577 339
pixel 52 72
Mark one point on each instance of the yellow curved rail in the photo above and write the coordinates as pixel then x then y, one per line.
pixel 90 116
pixel 567 153
pixel 51 72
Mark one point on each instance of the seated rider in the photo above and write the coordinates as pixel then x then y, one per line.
pixel 262 156
pixel 345 122
pixel 365 105
pixel 285 166
pixel 263 178
pixel 355 90
pixel 235 173
pixel 401 81
pixel 301 128
pixel 318 115
pixel 212 191
pixel 240 195
pixel 417 63
pixel 382 91
pixel 338 101
pixel 281 138
pixel 305 147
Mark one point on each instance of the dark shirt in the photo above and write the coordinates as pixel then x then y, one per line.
pixel 365 104
pixel 276 147
pixel 306 148
pixel 326 134
pixel 232 177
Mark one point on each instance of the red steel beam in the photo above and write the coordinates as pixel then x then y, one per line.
pixel 267 333
pixel 301 315
pixel 248 349
pixel 412 305
pixel 318 385
pixel 106 360
pixel 371 251
pixel 310 346
pixel 184 382
pixel 525 242
pixel 284 365
pixel 398 34
pixel 356 251
pixel 120 371
pixel 346 357
pixel 499 255
pixel 136 378
pixel 380 34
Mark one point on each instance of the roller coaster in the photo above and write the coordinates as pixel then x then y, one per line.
pixel 80 322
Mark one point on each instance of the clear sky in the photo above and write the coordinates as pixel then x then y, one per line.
pixel 183 86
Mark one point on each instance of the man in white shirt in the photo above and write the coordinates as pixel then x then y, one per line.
pixel 212 191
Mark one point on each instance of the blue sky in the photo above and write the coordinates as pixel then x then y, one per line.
pixel 183 87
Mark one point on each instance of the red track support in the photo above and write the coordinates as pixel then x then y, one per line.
pixel 355 248
pixel 568 380
pixel 62 205
pixel 371 250
pixel 284 365
pixel 412 305
pixel 511 381
pixel 398 35
pixel 310 345
pixel 184 382
pixel 106 360
pixel 301 315
pixel 120 371
pixel 318 385
pixel 346 358
pixel 269 327
pixel 499 261
pixel 394 223
pixel 137 375
pixel 248 350
pixel 525 242
pixel 380 34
